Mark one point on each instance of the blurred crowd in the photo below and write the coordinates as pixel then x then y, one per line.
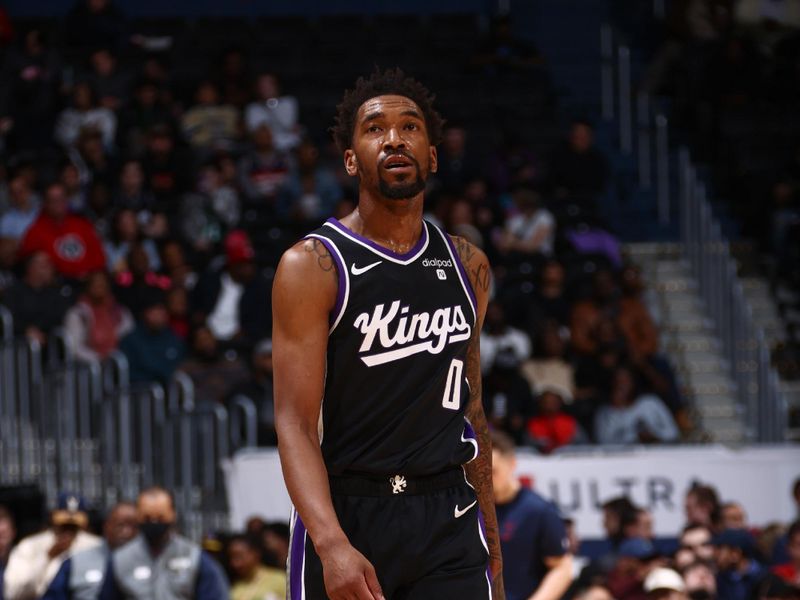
pixel 144 213
pixel 730 70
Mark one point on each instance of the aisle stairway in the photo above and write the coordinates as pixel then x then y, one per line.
pixel 691 342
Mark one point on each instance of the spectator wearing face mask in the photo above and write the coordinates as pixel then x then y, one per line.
pixel 160 563
pixel 701 584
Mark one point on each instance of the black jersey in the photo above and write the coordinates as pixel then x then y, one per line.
pixel 395 386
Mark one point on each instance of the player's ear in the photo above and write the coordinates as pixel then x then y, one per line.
pixel 350 163
pixel 434 160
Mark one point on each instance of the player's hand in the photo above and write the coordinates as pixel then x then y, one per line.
pixel 349 575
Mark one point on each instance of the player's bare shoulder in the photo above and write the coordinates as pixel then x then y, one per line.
pixel 476 264
pixel 307 268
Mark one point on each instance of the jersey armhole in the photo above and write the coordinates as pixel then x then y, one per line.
pixel 462 273
pixel 343 288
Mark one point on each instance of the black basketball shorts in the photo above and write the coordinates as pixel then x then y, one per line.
pixel 424 545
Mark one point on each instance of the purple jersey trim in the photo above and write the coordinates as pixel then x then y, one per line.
pixel 423 239
pixel 463 271
pixel 341 272
pixel 296 559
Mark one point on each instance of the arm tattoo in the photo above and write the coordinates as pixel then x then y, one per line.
pixel 479 471
pixel 324 258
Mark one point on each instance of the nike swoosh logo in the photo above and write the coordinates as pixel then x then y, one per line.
pixel 360 270
pixel 460 513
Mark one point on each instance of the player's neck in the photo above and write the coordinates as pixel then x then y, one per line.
pixel 394 224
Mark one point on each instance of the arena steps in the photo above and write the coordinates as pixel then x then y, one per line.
pixel 690 341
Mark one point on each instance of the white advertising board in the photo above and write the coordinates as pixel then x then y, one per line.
pixel 760 478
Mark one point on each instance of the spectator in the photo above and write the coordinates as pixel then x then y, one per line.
pixel 93 160
pixel 152 349
pixel 231 299
pixel 533 538
pixel 513 163
pixel 733 516
pixel 8 532
pixel 548 366
pixel 455 164
pixel 276 543
pixel 8 260
pixel 311 191
pixel 263 170
pixel 278 112
pixel 738 572
pixel 210 211
pixel 125 233
pixel 77 197
pixel 168 170
pixel 594 592
pixel 177 567
pixel 209 125
pixel 144 112
pixel 697 539
pixel 106 78
pixel 81 576
pixel 139 281
pixel 665 584
pixel 551 299
pixel 132 194
pixel 502 344
pixel 790 571
pixel 35 561
pixel 38 302
pixel 258 388
pixel 629 418
pixel 213 372
pixel 69 240
pixel 253 579
pixel 701 584
pixel 702 506
pixel 97 322
pixel 578 170
pixel 552 428
pixel 85 114
pixel 637 558
pixel 235 81
pixel 177 302
pixel 175 266
pixel 587 314
pixel 30 94
pixel 94 24
pixel 616 513
pixel 24 208
pixel 531 232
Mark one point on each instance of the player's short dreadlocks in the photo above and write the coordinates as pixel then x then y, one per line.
pixel 380 83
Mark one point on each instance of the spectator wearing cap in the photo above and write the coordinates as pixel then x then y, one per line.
pixel 258 388
pixel 537 562
pixel 232 298
pixel 152 349
pixel 69 240
pixel 636 558
pixel 160 563
pixel 790 571
pixel 701 583
pixel 738 572
pixel 8 532
pixel 81 576
pixel 212 371
pixel 35 561
pixel 665 584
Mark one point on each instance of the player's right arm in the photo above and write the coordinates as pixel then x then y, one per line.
pixel 303 296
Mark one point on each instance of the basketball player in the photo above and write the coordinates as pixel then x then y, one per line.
pixel 383 441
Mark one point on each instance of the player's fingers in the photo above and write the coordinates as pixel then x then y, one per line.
pixel 372 582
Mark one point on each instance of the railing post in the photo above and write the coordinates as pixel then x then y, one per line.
pixel 607 71
pixel 643 146
pixel 662 169
pixel 625 112
pixel 243 406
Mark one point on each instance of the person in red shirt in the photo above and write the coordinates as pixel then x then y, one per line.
pixel 552 427
pixel 69 240
pixel 790 572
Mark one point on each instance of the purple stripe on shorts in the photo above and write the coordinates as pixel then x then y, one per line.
pixel 297 557
pixel 482 525
pixel 340 271
pixel 460 265
pixel 377 247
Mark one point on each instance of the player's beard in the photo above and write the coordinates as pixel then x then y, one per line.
pixel 402 190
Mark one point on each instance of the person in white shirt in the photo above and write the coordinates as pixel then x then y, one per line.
pixel 532 230
pixel 34 562
pixel 85 114
pixel 278 112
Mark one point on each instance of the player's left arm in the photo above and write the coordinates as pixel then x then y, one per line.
pixel 479 471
